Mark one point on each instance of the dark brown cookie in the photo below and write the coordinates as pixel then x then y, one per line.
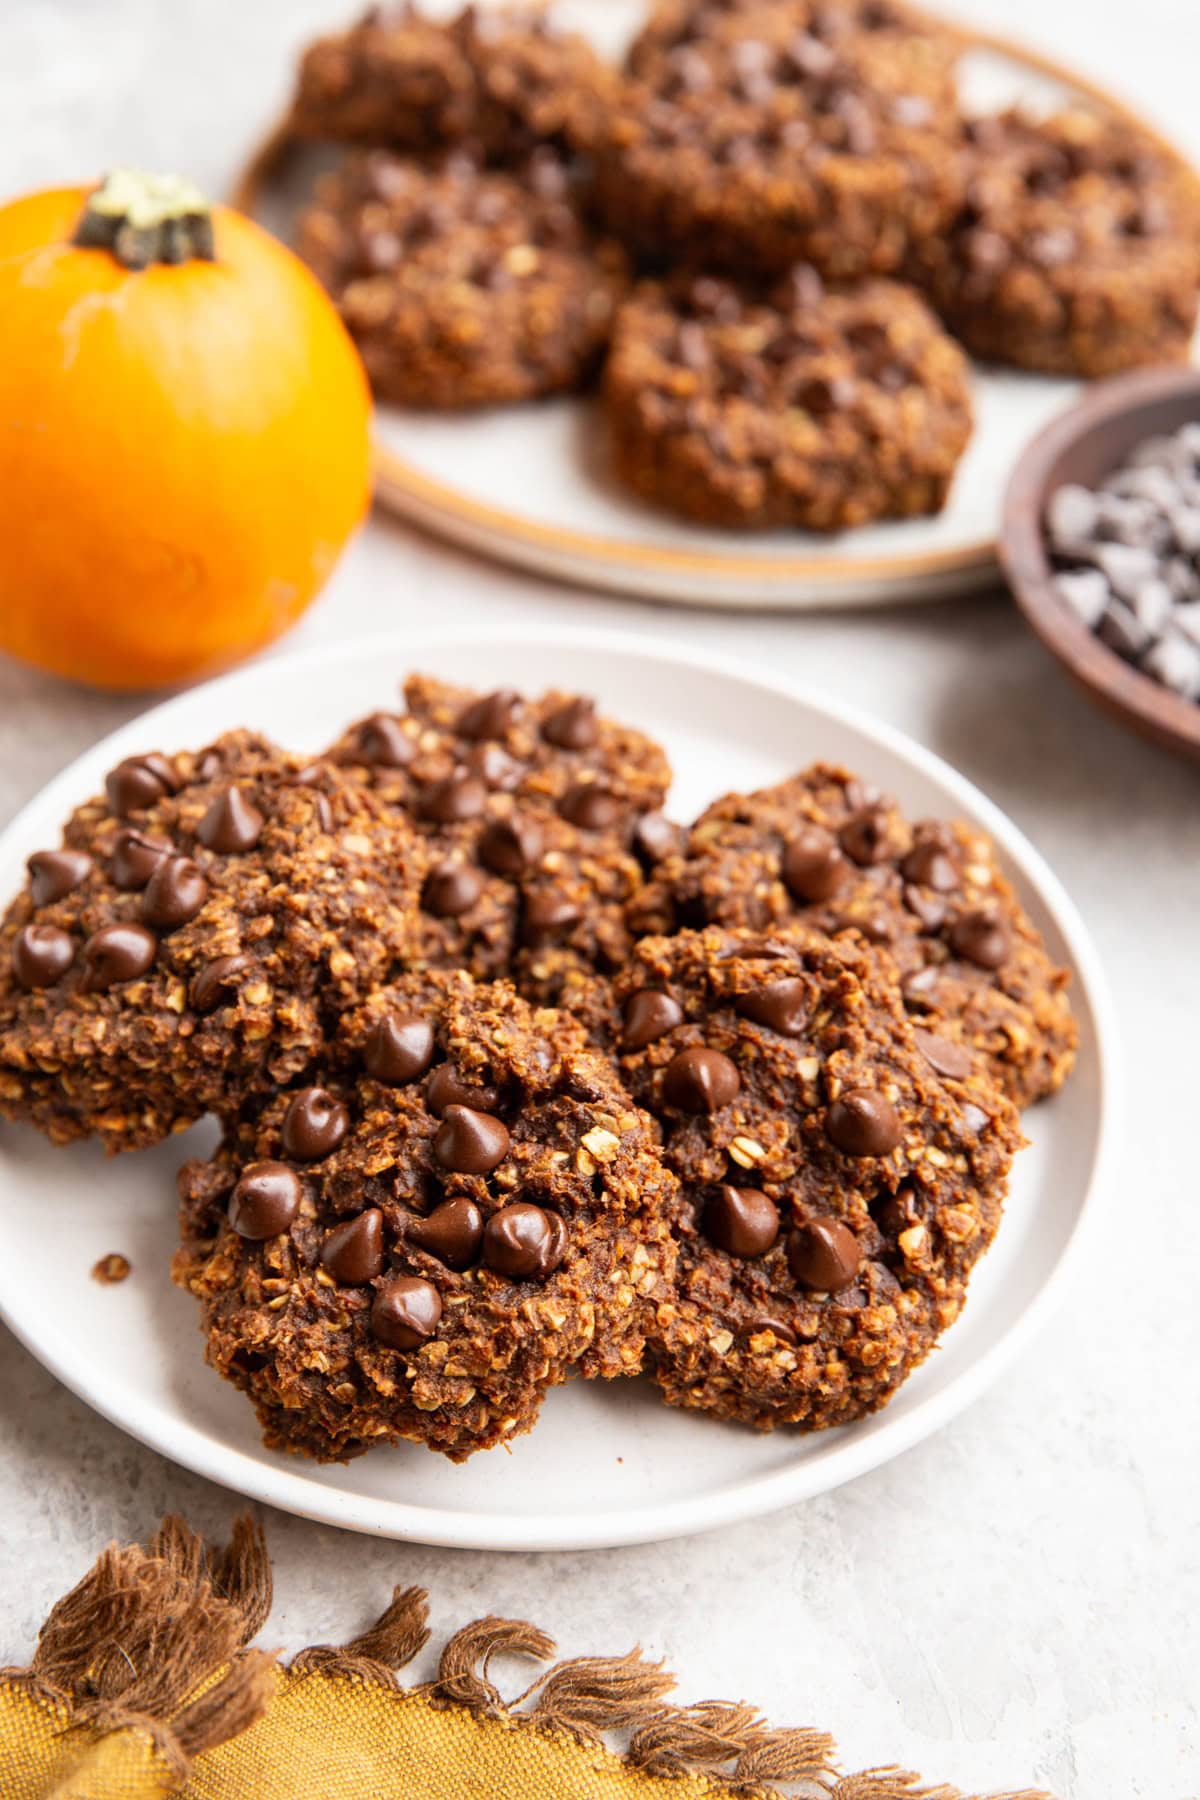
pixel 1076 252
pixel 532 814
pixel 771 136
pixel 787 405
pixel 498 78
pixel 837 1185
pixel 830 850
pixel 422 1244
pixel 188 943
pixel 463 286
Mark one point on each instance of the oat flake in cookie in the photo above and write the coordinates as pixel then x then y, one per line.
pixel 754 406
pixel 187 943
pixel 766 140
pixel 1077 250
pixel 421 1243
pixel 830 850
pixel 837 1188
pixel 461 286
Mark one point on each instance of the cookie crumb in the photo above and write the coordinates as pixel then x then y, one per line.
pixel 111 1269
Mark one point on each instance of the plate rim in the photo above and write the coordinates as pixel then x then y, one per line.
pixel 292 1489
pixel 615 562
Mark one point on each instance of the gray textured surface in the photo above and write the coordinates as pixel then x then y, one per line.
pixel 1015 1601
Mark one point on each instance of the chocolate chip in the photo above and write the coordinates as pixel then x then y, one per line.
pixel 41 955
pixel 824 1255
pixel 590 807
pixel 138 782
pixel 313 1125
pixel 265 1200
pixel 983 938
pixel 493 765
pixel 459 796
pixel 545 916
pixel 700 1081
pixel 452 1232
pixel 928 865
pixel 813 866
pixel 406 1312
pixel 470 1142
pixel 446 1087
pixel 174 893
pixel 920 987
pixel 573 726
pixel 863 1122
pixel 232 824
pixel 216 979
pixel 451 889
pixel 353 1251
pixel 930 909
pixel 382 742
pixel 781 1006
pixel 865 838
pixel 655 837
pixel 767 1322
pixel 135 857
pixel 399 1048
pixel 524 1242
pixel 117 953
pixel 948 1059
pixel 511 846
pixel 53 873
pixel 648 1015
pixel 490 716
pixel 741 1221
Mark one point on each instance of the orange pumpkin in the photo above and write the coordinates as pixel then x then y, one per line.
pixel 183 434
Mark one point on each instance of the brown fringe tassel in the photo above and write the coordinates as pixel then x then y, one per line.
pixel 145 1629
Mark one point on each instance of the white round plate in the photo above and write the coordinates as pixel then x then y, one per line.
pixel 607 1464
pixel 530 485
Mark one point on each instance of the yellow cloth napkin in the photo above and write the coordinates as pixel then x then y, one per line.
pixel 142 1685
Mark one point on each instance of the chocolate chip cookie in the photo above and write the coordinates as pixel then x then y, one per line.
pixel 557 750
pixel 532 812
pixel 192 936
pixel 462 286
pixel 829 849
pixel 1076 251
pixel 751 405
pixel 840 1174
pixel 765 139
pixel 423 1241
pixel 500 78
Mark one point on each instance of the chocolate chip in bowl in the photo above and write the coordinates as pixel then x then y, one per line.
pixel 1088 555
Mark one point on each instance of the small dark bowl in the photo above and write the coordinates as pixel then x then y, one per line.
pixel 1086 443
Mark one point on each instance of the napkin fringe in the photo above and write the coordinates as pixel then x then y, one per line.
pixel 155 1641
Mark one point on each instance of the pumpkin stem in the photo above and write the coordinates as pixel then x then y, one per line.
pixel 145 219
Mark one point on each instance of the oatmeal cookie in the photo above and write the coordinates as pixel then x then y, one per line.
pixel 499 78
pixel 557 750
pixel 751 406
pixel 532 812
pixel 189 940
pixel 463 286
pixel 906 51
pixel 839 1177
pixel 464 1211
pixel 756 144
pixel 829 849
pixel 1077 249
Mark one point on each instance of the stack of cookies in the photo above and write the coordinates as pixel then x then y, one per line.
pixel 774 226
pixel 519 1079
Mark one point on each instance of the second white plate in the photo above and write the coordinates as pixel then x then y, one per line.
pixel 607 1464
